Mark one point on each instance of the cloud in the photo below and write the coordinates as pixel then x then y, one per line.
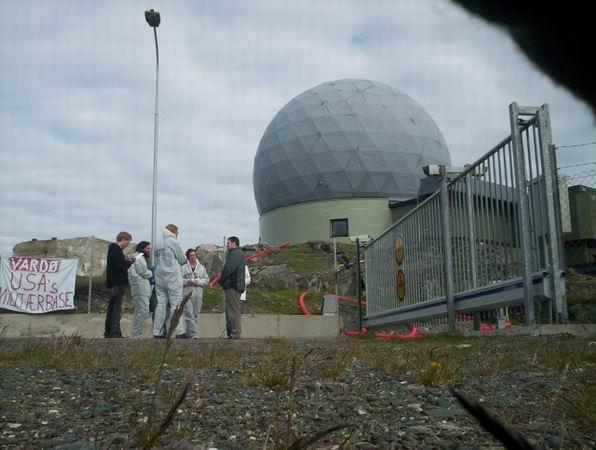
pixel 77 85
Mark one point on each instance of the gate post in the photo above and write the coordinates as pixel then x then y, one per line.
pixel 523 211
pixel 447 250
pixel 551 184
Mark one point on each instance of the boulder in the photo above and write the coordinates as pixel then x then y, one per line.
pixel 212 257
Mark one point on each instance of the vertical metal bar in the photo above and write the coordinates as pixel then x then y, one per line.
pixel 432 240
pixel 554 225
pixel 439 244
pixel 453 228
pixel 155 150
pixel 477 226
pixel 482 194
pixel 458 240
pixel 532 188
pixel 508 229
pixel 520 177
pixel 534 223
pixel 471 231
pixel 540 200
pixel 411 236
pixel 91 255
pixel 462 238
pixel 391 244
pixel 447 253
pixel 404 231
pixel 430 275
pixel 358 293
pixel 498 274
pixel 514 205
pixel 501 214
pixel 491 220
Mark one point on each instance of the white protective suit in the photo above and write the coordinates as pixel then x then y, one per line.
pixel 193 307
pixel 140 289
pixel 243 295
pixel 246 282
pixel 169 258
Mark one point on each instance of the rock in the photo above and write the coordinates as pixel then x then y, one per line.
pixel 445 412
pixel 212 257
pixel 276 276
pixel 415 407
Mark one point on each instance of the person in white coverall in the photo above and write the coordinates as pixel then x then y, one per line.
pixel 243 295
pixel 169 259
pixel 140 288
pixel 195 278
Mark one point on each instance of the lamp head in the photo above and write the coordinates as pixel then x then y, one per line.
pixel 152 18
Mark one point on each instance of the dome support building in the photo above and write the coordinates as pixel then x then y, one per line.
pixel 338 155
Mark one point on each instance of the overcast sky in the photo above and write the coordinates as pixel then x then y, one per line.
pixel 77 86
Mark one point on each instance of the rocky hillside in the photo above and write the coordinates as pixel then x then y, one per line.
pixel 280 277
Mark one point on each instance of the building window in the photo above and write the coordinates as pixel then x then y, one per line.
pixel 338 227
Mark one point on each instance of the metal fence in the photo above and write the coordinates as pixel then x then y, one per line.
pixel 490 237
pixel 578 214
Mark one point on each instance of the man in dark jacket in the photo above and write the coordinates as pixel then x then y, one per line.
pixel 117 281
pixel 232 282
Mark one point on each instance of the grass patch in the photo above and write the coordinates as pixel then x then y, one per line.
pixel 282 301
pixel 262 301
pixel 334 367
pixel 66 353
pixel 578 403
pixel 580 288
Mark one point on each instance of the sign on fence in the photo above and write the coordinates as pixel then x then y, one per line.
pixel 37 285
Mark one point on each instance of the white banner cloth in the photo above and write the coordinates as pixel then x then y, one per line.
pixel 37 285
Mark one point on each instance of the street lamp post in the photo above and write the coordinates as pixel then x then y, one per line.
pixel 153 19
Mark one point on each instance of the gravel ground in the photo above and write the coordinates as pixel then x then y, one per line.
pixel 71 393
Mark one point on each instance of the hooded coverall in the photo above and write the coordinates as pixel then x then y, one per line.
pixel 193 306
pixel 140 289
pixel 169 258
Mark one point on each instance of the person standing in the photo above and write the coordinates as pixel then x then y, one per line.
pixel 246 283
pixel 232 282
pixel 169 259
pixel 195 279
pixel 140 288
pixel 117 281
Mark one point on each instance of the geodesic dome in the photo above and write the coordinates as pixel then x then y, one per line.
pixel 345 139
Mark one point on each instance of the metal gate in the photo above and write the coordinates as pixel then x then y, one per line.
pixel 490 237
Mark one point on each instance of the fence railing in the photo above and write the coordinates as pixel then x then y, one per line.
pixel 489 237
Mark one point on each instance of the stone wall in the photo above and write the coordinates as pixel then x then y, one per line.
pixel 91 252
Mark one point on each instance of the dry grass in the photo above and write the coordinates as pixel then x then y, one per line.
pixel 280 365
pixel 65 353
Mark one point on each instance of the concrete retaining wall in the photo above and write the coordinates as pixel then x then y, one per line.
pixel 210 325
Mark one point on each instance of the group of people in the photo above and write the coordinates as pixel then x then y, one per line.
pixel 175 275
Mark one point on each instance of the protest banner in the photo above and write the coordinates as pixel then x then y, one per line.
pixel 37 285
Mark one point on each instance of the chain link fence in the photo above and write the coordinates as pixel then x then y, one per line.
pixel 577 187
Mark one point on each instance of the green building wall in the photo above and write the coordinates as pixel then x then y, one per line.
pixel 310 221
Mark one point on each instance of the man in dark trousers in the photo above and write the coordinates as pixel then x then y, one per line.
pixel 117 281
pixel 232 282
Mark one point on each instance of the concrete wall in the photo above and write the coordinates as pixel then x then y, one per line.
pixel 210 325
pixel 310 221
